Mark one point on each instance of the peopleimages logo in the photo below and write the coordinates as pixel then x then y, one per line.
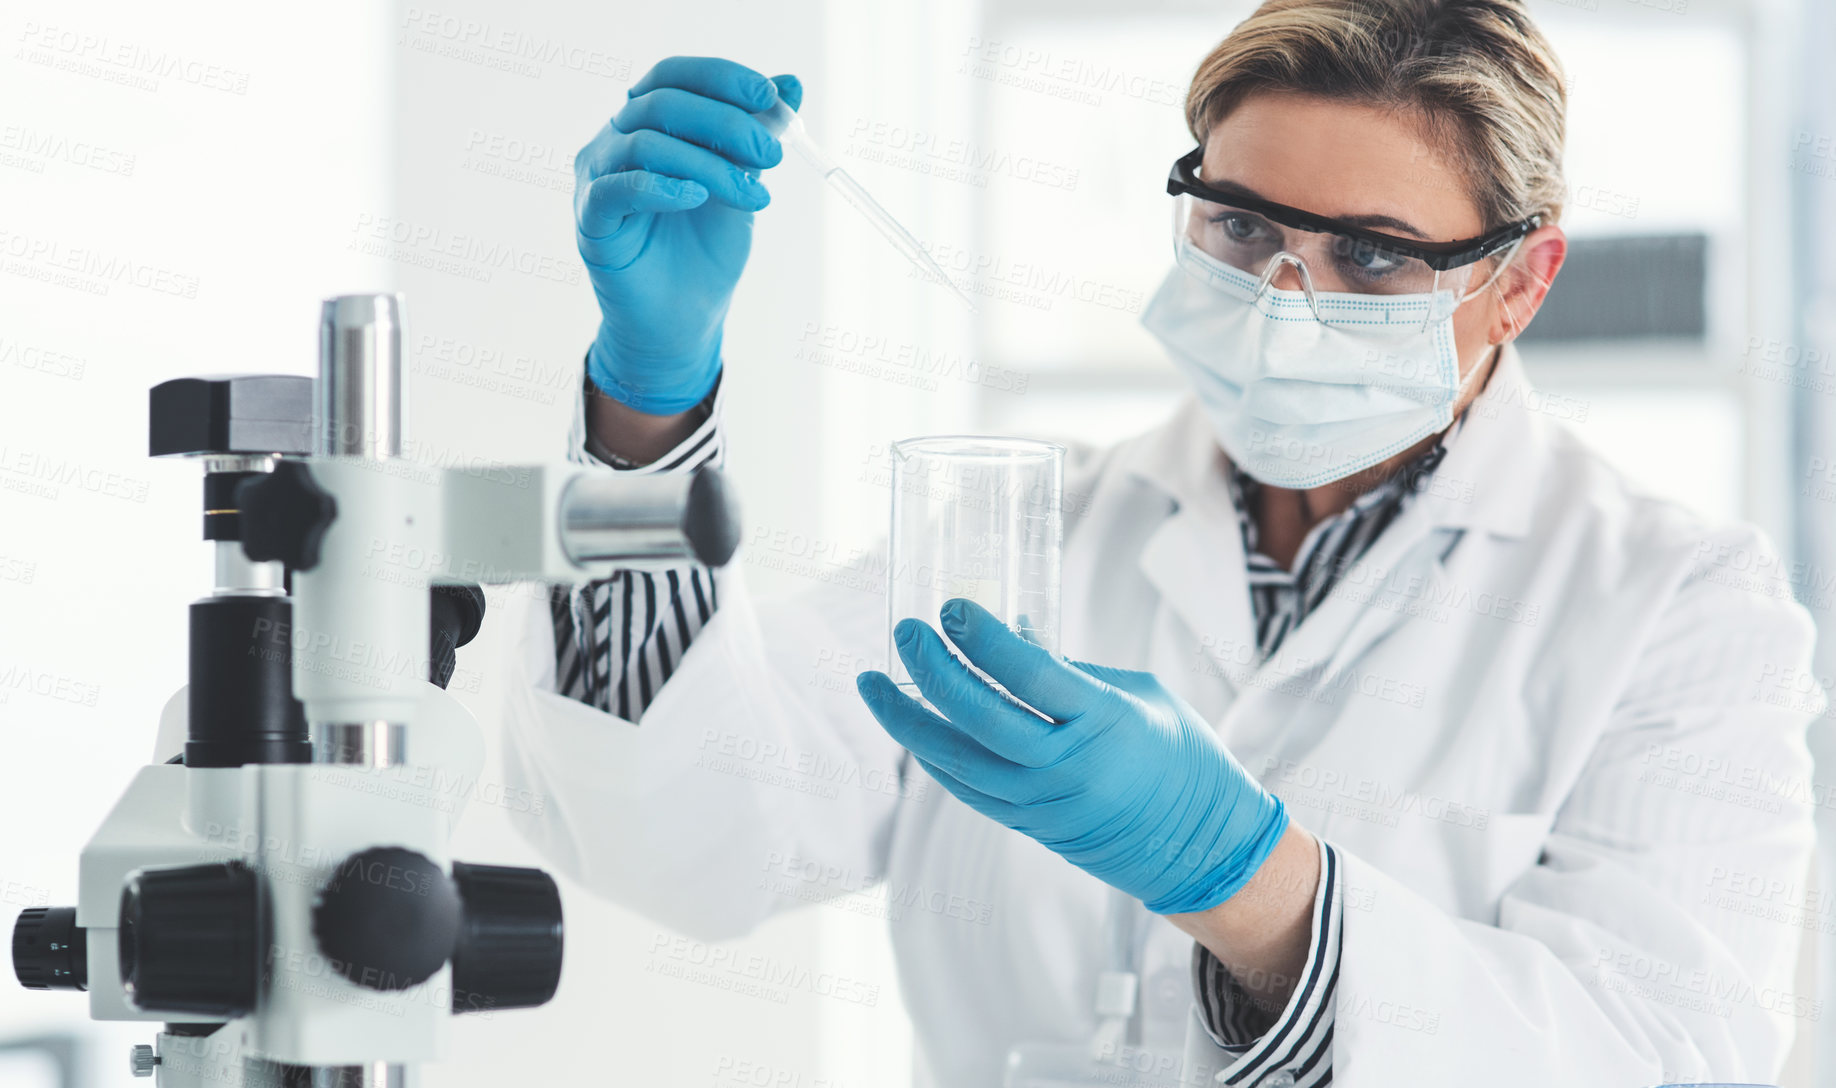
pixel 1289 449
pixel 1059 75
pixel 87 268
pixel 430 246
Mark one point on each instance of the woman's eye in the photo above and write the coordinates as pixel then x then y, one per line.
pixel 1242 228
pixel 1370 262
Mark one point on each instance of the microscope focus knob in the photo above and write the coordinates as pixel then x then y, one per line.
pixel 285 515
pixel 50 951
pixel 509 952
pixel 454 615
pixel 143 1060
pixel 710 518
pixel 190 940
pixel 388 918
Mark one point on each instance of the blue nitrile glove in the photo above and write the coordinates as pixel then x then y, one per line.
pixel 1130 784
pixel 663 203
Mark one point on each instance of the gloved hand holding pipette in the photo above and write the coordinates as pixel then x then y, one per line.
pixel 663 203
pixel 663 206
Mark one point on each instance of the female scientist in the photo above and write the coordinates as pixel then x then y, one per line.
pixel 1419 747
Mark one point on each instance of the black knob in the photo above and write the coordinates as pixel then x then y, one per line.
pixel 190 940
pixel 388 919
pixel 230 413
pixel 285 515
pixel 710 518
pixel 454 617
pixel 509 953
pixel 50 951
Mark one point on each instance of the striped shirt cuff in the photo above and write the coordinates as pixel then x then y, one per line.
pixel 703 446
pixel 1296 1039
pixel 618 639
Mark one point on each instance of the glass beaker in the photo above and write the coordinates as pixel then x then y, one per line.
pixel 979 518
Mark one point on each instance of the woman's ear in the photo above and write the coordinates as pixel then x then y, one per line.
pixel 1520 291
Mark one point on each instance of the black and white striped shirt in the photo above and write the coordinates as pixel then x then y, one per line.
pixel 617 640
pixel 1292 1044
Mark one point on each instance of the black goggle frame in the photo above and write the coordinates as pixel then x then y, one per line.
pixel 1440 256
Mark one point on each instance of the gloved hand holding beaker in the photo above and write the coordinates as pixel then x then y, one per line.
pixel 663 203
pixel 1126 780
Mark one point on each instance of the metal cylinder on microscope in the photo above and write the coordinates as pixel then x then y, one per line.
pixel 363 610
pixel 360 377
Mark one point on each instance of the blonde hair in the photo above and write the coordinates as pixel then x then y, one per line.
pixel 1478 73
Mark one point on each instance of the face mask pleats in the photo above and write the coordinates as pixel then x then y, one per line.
pixel 1298 401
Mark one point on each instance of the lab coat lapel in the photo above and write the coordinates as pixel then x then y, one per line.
pixel 1195 559
pixel 1214 606
pixel 1369 600
pixel 1481 488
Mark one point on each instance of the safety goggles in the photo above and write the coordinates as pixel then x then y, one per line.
pixel 1259 237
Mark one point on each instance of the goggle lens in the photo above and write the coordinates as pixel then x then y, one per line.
pixel 1336 263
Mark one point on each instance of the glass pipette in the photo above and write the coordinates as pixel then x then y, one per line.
pixel 782 121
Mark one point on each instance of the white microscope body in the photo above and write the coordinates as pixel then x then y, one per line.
pixel 283 900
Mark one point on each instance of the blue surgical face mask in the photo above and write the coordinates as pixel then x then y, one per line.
pixel 1304 392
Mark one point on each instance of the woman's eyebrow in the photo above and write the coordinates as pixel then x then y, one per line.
pixel 1365 222
pixel 1390 222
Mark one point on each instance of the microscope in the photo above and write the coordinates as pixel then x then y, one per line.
pixel 279 895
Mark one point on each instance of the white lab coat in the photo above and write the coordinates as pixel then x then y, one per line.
pixel 1562 766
